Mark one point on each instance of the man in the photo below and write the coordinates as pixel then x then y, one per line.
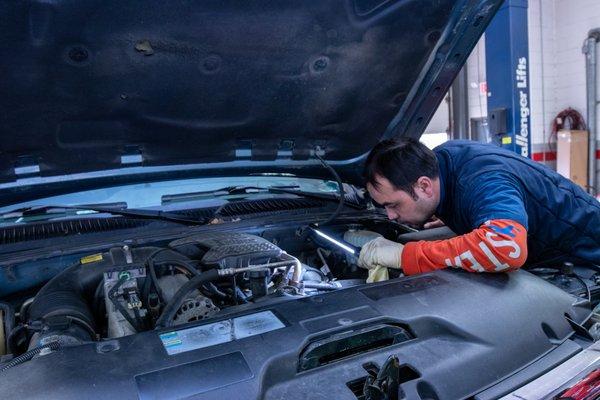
pixel 505 209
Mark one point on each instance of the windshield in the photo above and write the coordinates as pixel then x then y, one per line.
pixel 151 195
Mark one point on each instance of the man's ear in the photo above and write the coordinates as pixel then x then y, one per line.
pixel 424 185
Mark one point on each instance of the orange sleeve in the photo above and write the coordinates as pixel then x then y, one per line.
pixel 496 246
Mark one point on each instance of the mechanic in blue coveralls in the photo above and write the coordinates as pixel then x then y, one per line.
pixel 506 210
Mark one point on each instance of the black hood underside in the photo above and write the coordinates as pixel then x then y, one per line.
pixel 98 85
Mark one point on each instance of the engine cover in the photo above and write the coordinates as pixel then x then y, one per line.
pixel 486 327
pixel 231 250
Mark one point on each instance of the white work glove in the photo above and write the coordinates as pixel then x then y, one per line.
pixel 378 255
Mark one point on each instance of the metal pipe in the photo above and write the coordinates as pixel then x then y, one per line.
pixel 297 275
pixel 459 106
pixel 589 49
pixel 293 261
pixel 321 286
pixel 233 271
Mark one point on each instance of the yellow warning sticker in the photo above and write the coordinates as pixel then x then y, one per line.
pixel 507 140
pixel 91 258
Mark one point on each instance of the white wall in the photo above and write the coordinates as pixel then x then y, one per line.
pixel 441 119
pixel 542 72
pixel 475 77
pixel 477 101
pixel 573 20
pixel 557 29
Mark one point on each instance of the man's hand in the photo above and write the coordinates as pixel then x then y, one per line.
pixel 377 256
pixel 381 252
pixel 434 223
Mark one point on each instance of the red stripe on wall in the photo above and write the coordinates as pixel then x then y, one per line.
pixel 549 156
pixel 537 156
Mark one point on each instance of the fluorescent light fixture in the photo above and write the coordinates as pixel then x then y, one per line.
pixel 334 241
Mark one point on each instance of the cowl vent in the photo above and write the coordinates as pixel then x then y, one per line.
pixel 47 230
pixel 248 207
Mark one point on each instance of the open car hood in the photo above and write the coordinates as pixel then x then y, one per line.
pixel 102 85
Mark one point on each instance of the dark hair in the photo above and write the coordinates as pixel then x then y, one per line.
pixel 402 162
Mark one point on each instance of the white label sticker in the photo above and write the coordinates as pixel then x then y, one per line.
pixel 198 337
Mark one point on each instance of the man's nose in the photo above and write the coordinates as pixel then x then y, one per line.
pixel 391 214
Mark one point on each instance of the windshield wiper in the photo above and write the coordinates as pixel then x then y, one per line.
pixel 224 191
pixel 352 202
pixel 48 209
pixel 241 190
pixel 104 209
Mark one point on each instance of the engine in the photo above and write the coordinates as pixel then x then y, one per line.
pixel 129 290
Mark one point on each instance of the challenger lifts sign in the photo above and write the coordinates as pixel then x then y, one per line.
pixel 522 134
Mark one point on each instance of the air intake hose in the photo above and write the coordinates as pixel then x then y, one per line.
pixel 63 296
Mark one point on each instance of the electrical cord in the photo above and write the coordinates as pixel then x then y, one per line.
pixel 341 192
pixel 28 355
pixel 573 117
pixel 566 118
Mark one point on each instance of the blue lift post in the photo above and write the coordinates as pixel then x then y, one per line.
pixel 507 71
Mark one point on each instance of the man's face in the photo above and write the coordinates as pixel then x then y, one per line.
pixel 401 206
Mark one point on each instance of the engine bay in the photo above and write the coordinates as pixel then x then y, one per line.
pixel 131 289
pixel 300 286
pixel 127 290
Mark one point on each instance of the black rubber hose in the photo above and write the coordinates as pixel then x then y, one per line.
pixel 154 280
pixel 63 295
pixel 97 301
pixel 28 355
pixel 146 290
pixel 16 339
pixel 8 312
pixel 341 192
pixel 213 290
pixel 152 269
pixel 166 318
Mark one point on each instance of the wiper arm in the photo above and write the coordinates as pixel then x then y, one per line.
pixel 235 190
pixel 135 213
pixel 224 191
pixel 46 209
pixel 321 196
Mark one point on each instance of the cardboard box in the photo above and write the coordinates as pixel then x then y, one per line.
pixel 572 156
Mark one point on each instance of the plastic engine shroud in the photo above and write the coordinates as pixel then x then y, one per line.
pixel 232 250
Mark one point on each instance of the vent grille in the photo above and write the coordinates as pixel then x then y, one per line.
pixel 238 208
pixel 267 205
pixel 47 230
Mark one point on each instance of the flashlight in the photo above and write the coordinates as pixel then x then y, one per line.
pixel 347 247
